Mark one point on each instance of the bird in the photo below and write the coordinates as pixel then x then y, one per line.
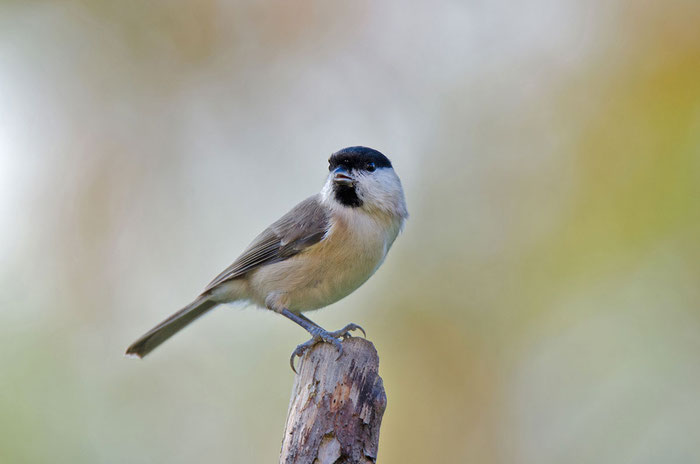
pixel 322 250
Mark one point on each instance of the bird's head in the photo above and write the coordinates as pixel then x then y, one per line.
pixel 360 177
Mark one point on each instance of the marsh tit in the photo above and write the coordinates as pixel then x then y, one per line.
pixel 316 254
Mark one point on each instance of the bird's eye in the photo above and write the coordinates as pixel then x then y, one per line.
pixel 371 167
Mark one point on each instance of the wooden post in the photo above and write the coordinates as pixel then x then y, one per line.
pixel 336 407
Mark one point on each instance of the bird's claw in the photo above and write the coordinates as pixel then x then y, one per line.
pixel 345 331
pixel 322 336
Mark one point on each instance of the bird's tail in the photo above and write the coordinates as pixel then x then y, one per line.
pixel 169 327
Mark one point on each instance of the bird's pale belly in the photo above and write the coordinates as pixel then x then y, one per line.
pixel 321 275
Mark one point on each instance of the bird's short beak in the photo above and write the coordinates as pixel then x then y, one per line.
pixel 341 177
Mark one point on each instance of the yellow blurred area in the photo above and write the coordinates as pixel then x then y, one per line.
pixel 542 305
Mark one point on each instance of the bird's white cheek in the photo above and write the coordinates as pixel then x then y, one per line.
pixel 382 190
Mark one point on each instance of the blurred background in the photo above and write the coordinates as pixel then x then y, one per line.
pixel 542 305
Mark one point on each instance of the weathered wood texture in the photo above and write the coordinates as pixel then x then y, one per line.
pixel 336 407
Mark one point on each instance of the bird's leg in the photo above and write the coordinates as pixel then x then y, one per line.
pixel 309 321
pixel 342 333
pixel 318 335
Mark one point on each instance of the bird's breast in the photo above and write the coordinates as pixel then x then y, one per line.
pixel 350 252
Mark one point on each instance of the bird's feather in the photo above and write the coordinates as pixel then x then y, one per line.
pixel 305 225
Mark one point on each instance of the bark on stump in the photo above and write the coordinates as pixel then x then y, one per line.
pixel 336 407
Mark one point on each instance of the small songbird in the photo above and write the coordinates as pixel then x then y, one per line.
pixel 316 254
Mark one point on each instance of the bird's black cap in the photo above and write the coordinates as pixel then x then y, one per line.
pixel 358 158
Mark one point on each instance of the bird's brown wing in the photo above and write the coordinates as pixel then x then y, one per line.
pixel 303 226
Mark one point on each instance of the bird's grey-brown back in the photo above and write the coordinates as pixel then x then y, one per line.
pixel 303 226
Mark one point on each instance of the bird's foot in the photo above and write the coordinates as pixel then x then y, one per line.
pixel 319 335
pixel 345 331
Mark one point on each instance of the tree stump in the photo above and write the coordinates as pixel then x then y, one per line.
pixel 336 407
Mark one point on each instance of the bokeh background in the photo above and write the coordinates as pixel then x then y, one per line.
pixel 542 306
